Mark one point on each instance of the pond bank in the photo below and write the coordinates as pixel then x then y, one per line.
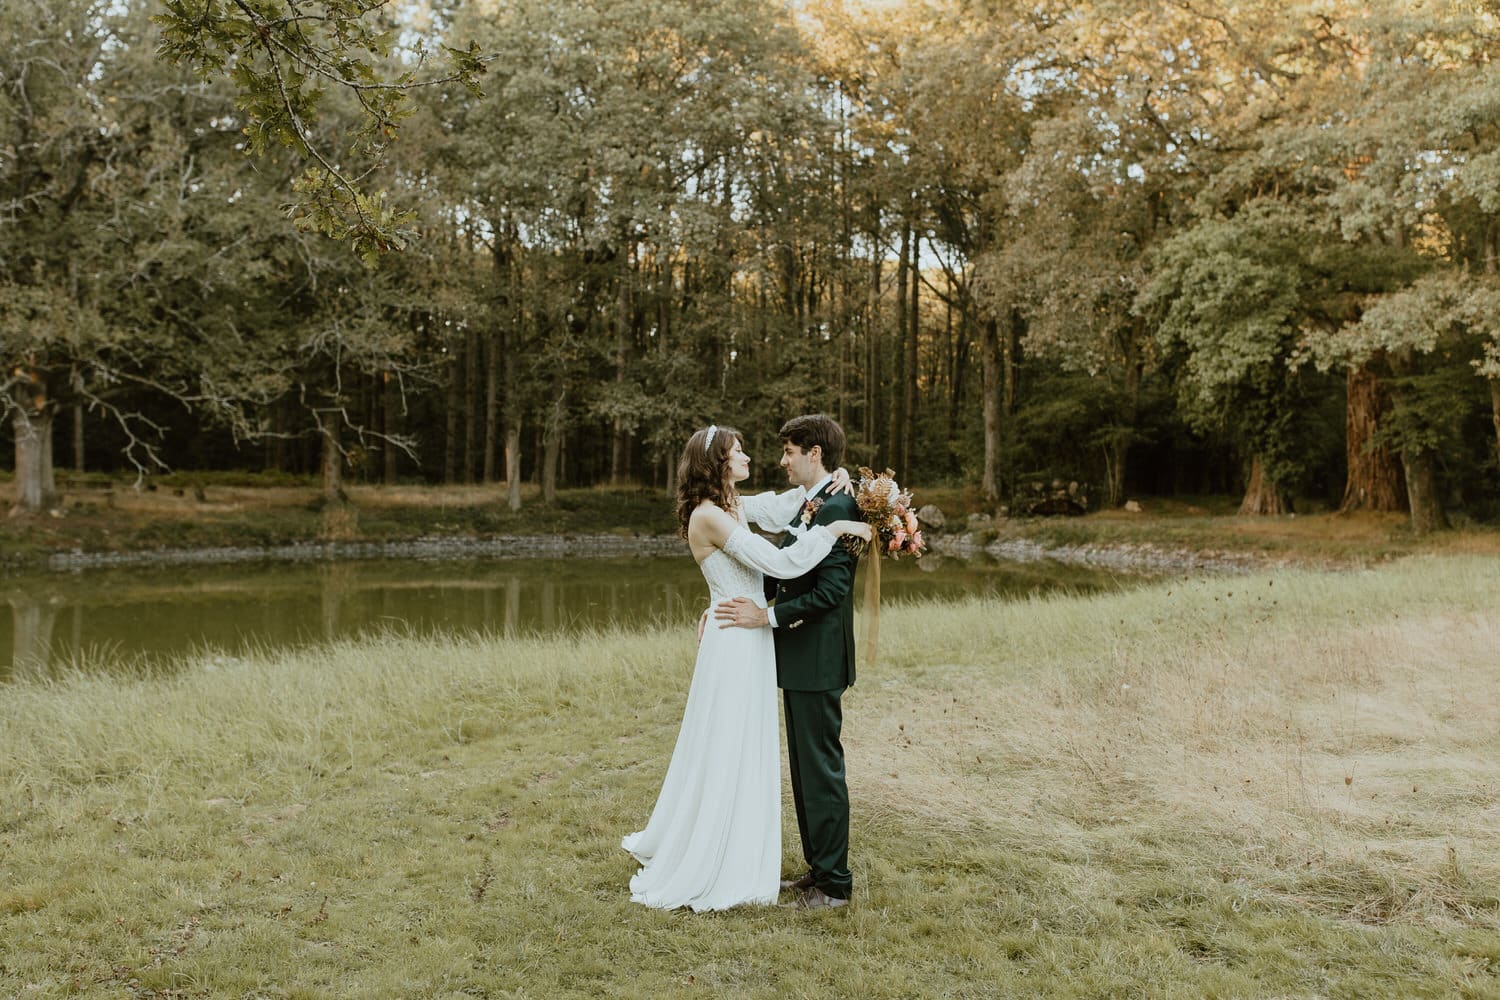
pixel 1124 556
pixel 448 547
pixel 225 524
pixel 1131 557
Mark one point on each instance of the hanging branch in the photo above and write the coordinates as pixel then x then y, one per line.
pixel 278 63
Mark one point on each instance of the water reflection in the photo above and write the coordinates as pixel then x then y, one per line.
pixel 135 617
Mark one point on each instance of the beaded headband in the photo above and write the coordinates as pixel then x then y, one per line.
pixel 708 441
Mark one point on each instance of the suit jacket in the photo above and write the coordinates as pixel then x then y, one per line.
pixel 814 632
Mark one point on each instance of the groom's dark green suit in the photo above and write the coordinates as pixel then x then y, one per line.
pixel 814 664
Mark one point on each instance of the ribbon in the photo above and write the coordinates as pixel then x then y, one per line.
pixel 872 603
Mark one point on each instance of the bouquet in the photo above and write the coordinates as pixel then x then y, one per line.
pixel 887 508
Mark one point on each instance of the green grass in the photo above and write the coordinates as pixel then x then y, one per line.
pixel 1281 785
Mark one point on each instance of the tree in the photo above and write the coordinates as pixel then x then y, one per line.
pixel 96 179
pixel 283 59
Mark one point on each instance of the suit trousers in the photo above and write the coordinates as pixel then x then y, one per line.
pixel 813 722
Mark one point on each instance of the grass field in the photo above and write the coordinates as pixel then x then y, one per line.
pixel 1279 785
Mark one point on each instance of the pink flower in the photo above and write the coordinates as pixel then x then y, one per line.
pixel 911 522
pixel 898 538
pixel 916 540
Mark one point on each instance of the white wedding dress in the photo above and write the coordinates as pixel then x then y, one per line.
pixel 714 838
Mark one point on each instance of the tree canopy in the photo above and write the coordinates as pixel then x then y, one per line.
pixel 1184 247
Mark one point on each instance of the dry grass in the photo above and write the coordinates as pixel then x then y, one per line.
pixel 1285 785
pixel 1360 746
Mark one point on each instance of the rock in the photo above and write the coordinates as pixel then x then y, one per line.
pixel 1035 498
pixel 1132 507
pixel 978 519
pixel 931 517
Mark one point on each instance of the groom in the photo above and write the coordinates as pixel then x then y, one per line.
pixel 813 619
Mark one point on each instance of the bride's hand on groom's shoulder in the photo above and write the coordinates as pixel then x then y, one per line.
pixel 841 482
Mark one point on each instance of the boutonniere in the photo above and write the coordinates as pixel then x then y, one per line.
pixel 810 510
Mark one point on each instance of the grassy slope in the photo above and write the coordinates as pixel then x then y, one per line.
pixel 121 519
pixel 1284 785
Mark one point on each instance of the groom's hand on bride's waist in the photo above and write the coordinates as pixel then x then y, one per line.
pixel 740 613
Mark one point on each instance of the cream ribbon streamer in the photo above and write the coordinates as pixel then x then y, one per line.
pixel 872 603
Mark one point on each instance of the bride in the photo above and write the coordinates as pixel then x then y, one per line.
pixel 714 839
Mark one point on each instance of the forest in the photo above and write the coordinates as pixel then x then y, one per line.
pixel 1179 248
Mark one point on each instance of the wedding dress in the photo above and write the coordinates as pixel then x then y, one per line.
pixel 714 837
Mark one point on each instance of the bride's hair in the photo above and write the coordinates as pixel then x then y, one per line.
pixel 703 473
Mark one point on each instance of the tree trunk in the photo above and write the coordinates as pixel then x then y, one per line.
pixel 1375 480
pixel 1014 331
pixel 1115 454
pixel 493 355
pixel 1421 489
pixel 513 465
pixel 454 403
pixel 1123 435
pixel 1262 496
pixel 992 394
pixel 619 440
pixel 471 405
pixel 909 384
pixel 947 369
pixel 552 435
pixel 872 349
pixel 78 465
pixel 391 409
pixel 36 482
pixel 329 423
pixel 896 399
pixel 1495 411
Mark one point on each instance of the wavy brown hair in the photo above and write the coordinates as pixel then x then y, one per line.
pixel 703 473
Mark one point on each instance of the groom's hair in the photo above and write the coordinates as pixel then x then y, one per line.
pixel 816 429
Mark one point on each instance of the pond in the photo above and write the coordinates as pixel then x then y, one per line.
pixel 132 617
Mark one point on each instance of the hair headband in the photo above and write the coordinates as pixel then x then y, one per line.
pixel 708 441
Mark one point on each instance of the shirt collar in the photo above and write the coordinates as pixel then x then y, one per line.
pixel 821 485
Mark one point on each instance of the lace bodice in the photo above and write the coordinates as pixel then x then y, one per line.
pixel 729 579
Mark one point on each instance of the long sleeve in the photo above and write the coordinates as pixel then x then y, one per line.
pixel 773 511
pixel 834 578
pixel 749 549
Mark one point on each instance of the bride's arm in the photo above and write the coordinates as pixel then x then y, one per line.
pixel 749 549
pixel 715 527
pixel 773 511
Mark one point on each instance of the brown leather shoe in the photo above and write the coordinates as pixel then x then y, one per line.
pixel 799 884
pixel 817 899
